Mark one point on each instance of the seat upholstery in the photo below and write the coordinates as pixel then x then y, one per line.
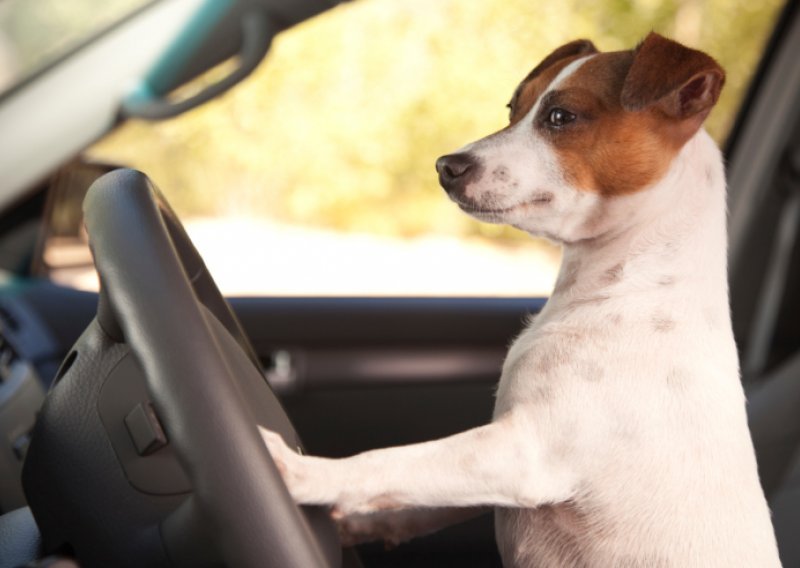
pixel 774 415
pixel 785 505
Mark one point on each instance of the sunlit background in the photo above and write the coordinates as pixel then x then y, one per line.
pixel 316 175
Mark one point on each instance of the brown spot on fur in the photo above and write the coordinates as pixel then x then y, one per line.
pixel 587 301
pixel 662 323
pixel 384 502
pixel 666 280
pixel 613 274
pixel 615 319
pixel 542 392
pixel 678 378
pixel 670 249
pixel 551 359
pixel 500 174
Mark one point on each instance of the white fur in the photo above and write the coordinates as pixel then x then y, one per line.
pixel 619 436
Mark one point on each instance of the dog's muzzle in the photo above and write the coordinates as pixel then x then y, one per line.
pixel 456 171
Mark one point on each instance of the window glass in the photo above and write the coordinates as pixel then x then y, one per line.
pixel 35 33
pixel 316 176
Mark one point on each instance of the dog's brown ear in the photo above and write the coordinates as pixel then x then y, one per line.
pixel 571 49
pixel 681 82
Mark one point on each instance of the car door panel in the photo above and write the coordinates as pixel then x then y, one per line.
pixel 357 374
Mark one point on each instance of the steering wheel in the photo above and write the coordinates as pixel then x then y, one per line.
pixel 202 378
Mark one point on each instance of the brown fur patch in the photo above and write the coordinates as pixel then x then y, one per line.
pixel 606 149
pixel 551 359
pixel 681 82
pixel 662 323
pixel 626 131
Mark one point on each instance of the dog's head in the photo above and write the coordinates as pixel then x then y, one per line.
pixel 584 128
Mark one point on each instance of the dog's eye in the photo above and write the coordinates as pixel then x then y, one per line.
pixel 559 117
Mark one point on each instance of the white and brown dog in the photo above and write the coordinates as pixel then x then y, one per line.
pixel 619 435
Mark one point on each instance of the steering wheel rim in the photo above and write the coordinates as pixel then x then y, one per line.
pixel 143 255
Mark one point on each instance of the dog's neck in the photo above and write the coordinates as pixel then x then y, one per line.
pixel 666 242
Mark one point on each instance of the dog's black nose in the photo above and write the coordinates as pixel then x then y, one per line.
pixel 455 170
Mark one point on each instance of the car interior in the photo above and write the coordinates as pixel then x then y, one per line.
pixel 127 416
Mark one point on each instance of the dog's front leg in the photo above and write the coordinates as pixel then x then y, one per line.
pixel 505 463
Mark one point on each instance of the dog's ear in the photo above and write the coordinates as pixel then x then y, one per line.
pixel 681 82
pixel 571 49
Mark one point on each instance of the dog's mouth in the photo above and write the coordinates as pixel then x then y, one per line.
pixel 480 210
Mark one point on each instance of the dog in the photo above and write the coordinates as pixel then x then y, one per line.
pixel 619 435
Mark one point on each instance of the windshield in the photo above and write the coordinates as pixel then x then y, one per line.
pixel 36 33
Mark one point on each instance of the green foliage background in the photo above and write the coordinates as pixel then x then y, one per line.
pixel 342 123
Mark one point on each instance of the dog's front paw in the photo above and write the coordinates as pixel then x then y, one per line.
pixel 323 481
pixel 292 466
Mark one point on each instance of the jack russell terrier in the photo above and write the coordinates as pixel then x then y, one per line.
pixel 619 435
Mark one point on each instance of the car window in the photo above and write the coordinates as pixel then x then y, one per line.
pixel 316 176
pixel 36 33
